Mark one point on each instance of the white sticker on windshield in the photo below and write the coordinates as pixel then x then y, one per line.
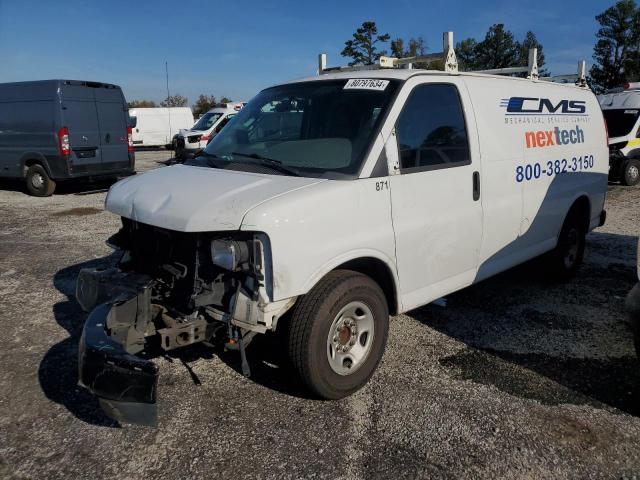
pixel 366 84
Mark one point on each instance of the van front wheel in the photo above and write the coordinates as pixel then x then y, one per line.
pixel 38 181
pixel 338 333
pixel 631 172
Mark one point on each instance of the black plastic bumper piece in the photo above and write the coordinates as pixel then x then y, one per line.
pixel 603 218
pixel 125 384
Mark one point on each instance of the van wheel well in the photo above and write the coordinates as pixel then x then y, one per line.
pixel 28 163
pixel 379 272
pixel 581 209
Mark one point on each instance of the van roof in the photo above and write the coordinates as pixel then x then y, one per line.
pixel 50 89
pixel 58 81
pixel 405 74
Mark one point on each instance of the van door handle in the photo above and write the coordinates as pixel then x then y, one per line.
pixel 476 186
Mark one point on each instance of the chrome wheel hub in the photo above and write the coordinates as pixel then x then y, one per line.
pixel 634 173
pixel 37 180
pixel 350 338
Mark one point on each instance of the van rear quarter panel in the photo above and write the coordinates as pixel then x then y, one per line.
pixel 537 140
pixel 29 115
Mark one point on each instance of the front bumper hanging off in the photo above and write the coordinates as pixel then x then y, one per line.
pixel 125 383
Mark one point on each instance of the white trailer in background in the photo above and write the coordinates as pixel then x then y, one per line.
pixel 156 127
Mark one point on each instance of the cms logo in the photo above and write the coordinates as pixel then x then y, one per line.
pixel 542 106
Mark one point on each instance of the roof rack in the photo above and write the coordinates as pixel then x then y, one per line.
pixel 448 56
pixel 579 78
pixel 531 69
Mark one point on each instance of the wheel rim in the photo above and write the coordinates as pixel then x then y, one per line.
pixel 633 173
pixel 37 180
pixel 350 338
pixel 573 248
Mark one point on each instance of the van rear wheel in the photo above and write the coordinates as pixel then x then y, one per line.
pixel 631 172
pixel 38 181
pixel 567 257
pixel 338 333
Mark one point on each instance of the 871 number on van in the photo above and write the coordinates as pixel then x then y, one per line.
pixel 534 171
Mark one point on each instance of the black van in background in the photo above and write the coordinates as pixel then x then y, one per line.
pixel 57 130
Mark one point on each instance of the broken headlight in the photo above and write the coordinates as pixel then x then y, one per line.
pixel 229 254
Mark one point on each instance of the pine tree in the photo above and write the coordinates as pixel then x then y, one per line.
pixel 616 53
pixel 362 48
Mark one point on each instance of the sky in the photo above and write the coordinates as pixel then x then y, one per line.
pixel 235 49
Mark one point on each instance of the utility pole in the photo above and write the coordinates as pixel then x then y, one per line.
pixel 166 69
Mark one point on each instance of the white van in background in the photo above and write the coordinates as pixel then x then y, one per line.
pixel 155 127
pixel 188 142
pixel 621 110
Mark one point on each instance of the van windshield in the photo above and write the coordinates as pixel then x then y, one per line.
pixel 206 121
pixel 315 129
pixel 620 122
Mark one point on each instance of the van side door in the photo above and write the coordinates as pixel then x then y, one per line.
pixel 437 209
pixel 502 150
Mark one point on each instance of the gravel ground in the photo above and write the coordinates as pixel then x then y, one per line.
pixel 515 378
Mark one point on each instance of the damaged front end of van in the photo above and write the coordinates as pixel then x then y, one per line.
pixel 170 289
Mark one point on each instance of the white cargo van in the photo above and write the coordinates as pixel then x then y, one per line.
pixel 155 127
pixel 190 141
pixel 621 109
pixel 332 202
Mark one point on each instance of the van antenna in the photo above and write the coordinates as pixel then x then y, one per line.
pixel 166 69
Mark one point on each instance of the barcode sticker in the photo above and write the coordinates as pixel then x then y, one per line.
pixel 366 84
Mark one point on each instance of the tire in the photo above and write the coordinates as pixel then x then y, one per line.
pixel 38 181
pixel 567 257
pixel 632 305
pixel 338 333
pixel 631 172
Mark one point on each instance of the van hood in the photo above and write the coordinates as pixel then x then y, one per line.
pixel 197 199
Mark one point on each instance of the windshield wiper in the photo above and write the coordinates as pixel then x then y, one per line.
pixel 209 159
pixel 269 162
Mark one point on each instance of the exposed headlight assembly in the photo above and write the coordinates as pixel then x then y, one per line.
pixel 229 254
